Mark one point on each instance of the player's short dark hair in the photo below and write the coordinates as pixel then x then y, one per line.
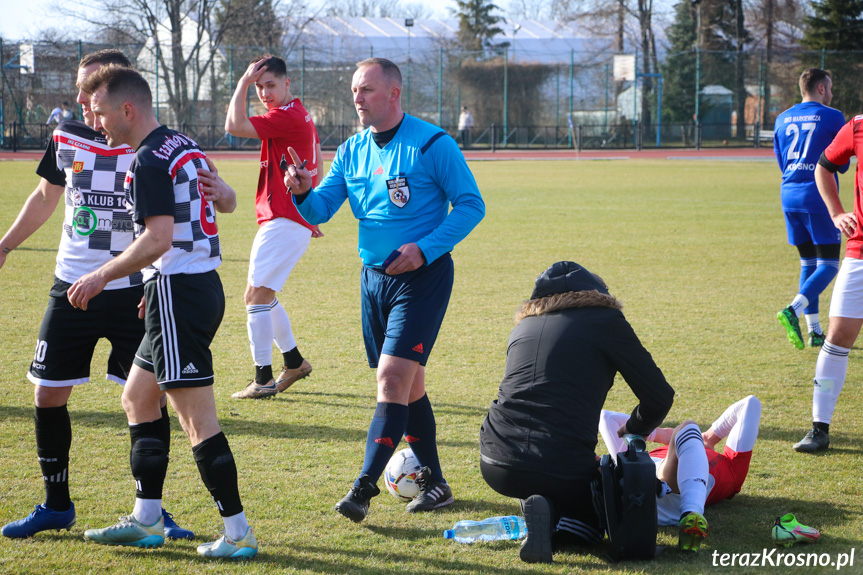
pixel 388 67
pixel 105 57
pixel 810 79
pixel 274 64
pixel 120 83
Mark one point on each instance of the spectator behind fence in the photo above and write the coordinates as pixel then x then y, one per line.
pixel 465 125
pixel 61 114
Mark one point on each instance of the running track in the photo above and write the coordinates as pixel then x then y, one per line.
pixel 715 154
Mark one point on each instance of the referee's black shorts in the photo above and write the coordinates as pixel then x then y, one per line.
pixel 183 313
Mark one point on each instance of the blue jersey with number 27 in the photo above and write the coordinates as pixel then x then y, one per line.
pixel 800 135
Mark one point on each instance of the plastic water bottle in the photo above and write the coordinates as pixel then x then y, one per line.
pixel 491 529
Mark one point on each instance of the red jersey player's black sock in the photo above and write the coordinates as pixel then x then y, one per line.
pixel 293 359
pixel 263 374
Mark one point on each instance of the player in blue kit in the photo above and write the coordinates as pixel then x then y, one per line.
pixel 400 177
pixel 800 134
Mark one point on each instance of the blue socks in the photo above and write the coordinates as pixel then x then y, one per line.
pixel 815 276
pixel 385 432
pixel 421 434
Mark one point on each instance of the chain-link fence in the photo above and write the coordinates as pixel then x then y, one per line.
pixel 523 100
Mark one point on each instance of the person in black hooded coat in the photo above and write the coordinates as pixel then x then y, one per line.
pixel 538 441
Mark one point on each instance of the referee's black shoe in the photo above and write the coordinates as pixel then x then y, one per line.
pixel 355 505
pixel 432 495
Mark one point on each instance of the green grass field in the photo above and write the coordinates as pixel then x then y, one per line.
pixel 695 250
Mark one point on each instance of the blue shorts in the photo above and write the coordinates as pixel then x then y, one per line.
pixel 402 314
pixel 816 228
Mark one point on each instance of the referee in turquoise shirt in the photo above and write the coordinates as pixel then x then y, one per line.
pixel 400 176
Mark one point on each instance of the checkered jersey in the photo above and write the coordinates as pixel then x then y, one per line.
pixel 96 225
pixel 163 180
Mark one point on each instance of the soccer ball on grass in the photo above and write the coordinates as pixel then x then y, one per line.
pixel 401 473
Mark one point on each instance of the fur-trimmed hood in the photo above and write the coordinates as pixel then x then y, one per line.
pixel 566 285
pixel 571 299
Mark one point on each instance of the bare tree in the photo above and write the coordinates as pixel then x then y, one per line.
pixel 417 10
pixel 358 8
pixel 181 34
pixel 530 9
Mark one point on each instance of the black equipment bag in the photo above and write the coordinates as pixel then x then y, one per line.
pixel 627 502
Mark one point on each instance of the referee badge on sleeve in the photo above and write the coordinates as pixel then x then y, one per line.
pixel 399 191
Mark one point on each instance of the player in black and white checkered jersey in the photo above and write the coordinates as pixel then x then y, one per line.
pixel 177 241
pixel 79 165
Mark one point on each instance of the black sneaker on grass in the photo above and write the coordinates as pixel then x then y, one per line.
pixel 432 495
pixel 814 440
pixel 355 505
pixel 536 548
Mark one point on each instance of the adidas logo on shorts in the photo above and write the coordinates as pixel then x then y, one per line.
pixel 190 369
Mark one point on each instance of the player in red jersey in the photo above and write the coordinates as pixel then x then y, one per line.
pixel 283 235
pixel 692 481
pixel 846 306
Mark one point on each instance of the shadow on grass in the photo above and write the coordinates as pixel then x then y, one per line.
pixel 439 407
pixel 791 437
pixel 401 560
pixel 744 523
pixel 232 426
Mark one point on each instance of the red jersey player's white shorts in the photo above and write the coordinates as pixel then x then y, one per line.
pixel 847 300
pixel 278 246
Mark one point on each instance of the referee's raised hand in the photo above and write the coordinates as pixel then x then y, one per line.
pixel 298 179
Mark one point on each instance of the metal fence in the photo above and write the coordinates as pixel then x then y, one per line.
pixel 491 137
pixel 521 102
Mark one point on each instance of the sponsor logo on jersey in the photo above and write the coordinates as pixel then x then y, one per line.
pixel 172 143
pixel 76 197
pixel 101 200
pixel 400 193
pixel 379 171
pixel 264 164
pixel 84 221
pixel 806 167
pixel 77 167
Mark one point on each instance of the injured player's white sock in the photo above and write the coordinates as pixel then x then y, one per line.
pixel 692 469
